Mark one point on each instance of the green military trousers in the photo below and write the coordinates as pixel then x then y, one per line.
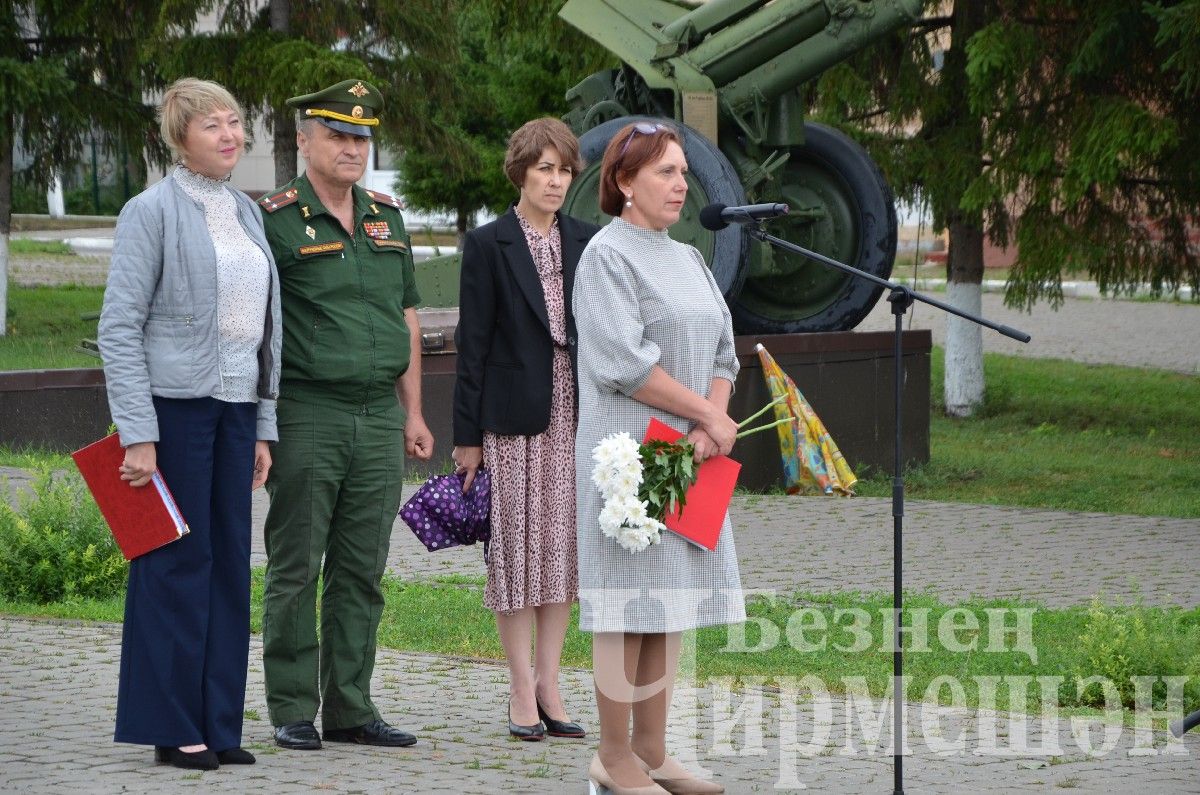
pixel 335 489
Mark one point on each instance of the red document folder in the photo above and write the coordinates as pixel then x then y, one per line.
pixel 702 516
pixel 141 519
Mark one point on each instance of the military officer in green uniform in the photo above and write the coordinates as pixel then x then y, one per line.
pixel 351 345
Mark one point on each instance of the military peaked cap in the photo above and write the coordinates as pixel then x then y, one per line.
pixel 351 106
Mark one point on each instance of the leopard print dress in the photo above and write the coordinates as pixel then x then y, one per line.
pixel 531 557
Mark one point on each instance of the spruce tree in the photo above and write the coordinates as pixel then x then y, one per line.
pixel 1067 128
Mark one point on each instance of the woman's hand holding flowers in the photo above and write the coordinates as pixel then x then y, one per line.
pixel 721 429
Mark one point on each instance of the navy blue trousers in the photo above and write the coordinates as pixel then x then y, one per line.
pixel 187 610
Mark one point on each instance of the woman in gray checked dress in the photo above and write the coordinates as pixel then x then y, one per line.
pixel 655 340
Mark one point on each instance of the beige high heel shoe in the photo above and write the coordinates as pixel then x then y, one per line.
pixel 678 780
pixel 606 786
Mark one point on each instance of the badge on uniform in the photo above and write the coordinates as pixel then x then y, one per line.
pixel 312 233
pixel 379 230
pixel 321 248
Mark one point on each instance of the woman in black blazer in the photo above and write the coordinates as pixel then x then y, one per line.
pixel 514 412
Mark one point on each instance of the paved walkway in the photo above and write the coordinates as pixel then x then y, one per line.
pixel 1158 334
pixel 59 681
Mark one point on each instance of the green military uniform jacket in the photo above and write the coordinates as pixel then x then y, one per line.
pixel 345 339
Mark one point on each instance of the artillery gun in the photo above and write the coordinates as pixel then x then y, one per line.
pixel 730 72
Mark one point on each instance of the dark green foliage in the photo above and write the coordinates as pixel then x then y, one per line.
pixel 1068 128
pixel 73 70
pixel 81 200
pixel 55 545
pixel 28 196
pixel 405 49
pixel 515 62
pixel 668 471
pixel 474 178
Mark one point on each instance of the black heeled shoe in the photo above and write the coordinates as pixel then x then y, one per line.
pixel 530 734
pixel 188 760
pixel 559 728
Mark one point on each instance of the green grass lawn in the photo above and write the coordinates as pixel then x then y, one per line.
pixel 447 617
pixel 44 326
pixel 24 246
pixel 1063 435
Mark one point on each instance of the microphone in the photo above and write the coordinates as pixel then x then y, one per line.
pixel 718 216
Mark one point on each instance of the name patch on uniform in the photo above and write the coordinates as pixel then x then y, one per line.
pixel 321 248
pixel 379 230
pixel 392 244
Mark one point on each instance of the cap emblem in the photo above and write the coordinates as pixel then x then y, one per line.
pixel 358 90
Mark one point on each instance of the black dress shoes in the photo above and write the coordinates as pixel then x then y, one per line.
pixel 530 734
pixel 235 756
pixel 559 728
pixel 194 760
pixel 374 733
pixel 298 736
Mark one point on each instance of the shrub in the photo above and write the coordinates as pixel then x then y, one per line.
pixel 1119 643
pixel 82 201
pixel 55 545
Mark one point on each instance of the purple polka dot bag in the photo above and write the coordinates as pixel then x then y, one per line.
pixel 442 516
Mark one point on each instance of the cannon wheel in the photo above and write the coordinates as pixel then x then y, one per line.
pixel 842 207
pixel 710 179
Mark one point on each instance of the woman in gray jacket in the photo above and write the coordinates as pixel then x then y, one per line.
pixel 190 337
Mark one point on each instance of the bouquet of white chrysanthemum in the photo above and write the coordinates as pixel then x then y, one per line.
pixel 618 474
pixel 643 483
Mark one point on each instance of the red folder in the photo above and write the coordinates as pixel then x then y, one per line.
pixel 141 519
pixel 700 519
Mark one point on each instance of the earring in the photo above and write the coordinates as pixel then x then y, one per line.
pixel 629 200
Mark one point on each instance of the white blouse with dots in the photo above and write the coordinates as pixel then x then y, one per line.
pixel 243 286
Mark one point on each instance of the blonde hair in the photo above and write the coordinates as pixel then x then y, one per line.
pixel 186 99
pixel 526 145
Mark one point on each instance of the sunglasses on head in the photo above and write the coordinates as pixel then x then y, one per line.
pixel 643 127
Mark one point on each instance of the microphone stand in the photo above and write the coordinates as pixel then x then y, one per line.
pixel 901 298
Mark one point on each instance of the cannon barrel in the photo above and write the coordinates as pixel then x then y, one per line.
pixel 789 43
pixel 707 17
pixel 744 47
pixel 737 51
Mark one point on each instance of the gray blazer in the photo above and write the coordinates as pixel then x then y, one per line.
pixel 158 328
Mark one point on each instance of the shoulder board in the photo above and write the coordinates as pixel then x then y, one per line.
pixel 281 199
pixel 383 198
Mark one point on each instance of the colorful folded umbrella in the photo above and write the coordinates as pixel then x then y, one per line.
pixel 441 516
pixel 811 459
